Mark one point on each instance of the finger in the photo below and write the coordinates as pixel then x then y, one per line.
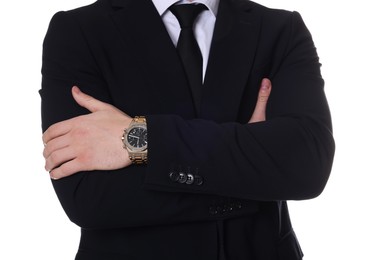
pixel 54 145
pixel 56 130
pixel 65 170
pixel 259 113
pixel 87 101
pixel 58 158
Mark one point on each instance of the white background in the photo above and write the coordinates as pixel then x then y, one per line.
pixel 336 225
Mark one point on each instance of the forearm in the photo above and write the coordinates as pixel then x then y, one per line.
pixel 115 199
pixel 107 199
pixel 287 157
pixel 284 158
pixel 280 159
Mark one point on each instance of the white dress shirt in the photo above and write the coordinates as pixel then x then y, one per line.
pixel 203 26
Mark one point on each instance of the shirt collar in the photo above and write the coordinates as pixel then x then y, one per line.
pixel 163 5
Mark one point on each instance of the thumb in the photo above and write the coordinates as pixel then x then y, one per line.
pixel 259 113
pixel 88 102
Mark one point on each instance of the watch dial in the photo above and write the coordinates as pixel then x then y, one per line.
pixel 137 137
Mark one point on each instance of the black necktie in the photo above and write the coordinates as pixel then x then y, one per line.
pixel 188 48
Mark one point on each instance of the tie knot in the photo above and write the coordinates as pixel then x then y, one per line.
pixel 187 13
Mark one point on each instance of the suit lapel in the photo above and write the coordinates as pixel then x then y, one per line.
pixel 155 50
pixel 231 57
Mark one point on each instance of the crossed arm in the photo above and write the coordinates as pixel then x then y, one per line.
pixel 92 142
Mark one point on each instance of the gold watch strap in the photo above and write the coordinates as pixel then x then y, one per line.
pixel 139 157
pixel 139 119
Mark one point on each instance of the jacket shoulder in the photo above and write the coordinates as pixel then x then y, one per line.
pixel 90 11
pixel 267 13
pixel 272 19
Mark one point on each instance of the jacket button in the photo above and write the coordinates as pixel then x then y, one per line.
pixel 225 209
pixel 198 180
pixel 182 177
pixel 238 205
pixel 190 179
pixel 174 176
pixel 213 210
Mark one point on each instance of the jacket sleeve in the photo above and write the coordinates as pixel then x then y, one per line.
pixel 287 157
pixel 107 199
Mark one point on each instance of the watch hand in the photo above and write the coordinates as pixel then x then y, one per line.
pixel 133 136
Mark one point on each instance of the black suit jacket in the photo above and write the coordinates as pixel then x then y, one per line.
pixel 119 52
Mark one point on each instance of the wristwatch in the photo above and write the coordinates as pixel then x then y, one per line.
pixel 135 140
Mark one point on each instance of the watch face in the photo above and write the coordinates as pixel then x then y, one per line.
pixel 137 137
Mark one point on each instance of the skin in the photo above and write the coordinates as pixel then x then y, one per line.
pixel 93 141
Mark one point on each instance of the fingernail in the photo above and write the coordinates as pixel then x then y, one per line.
pixel 52 177
pixel 76 89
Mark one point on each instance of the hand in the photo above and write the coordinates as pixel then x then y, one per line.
pixel 87 142
pixel 259 113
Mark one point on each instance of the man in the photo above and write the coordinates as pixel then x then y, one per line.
pixel 194 179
